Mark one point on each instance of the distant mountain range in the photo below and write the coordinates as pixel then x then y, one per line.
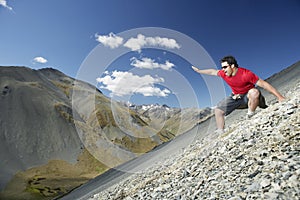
pixel 41 126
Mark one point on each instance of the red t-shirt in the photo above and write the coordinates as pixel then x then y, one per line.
pixel 242 82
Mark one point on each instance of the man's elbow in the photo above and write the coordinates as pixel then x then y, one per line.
pixel 262 83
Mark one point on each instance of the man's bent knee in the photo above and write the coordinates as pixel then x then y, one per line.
pixel 218 111
pixel 253 94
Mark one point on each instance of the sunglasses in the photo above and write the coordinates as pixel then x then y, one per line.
pixel 224 67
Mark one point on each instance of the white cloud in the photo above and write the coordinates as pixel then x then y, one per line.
pixel 40 60
pixel 126 83
pixel 4 4
pixel 136 44
pixel 148 63
pixel 110 40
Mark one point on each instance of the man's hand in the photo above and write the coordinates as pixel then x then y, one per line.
pixel 195 68
pixel 281 99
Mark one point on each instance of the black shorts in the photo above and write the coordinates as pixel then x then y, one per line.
pixel 229 104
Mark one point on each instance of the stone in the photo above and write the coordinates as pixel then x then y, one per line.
pixel 265 183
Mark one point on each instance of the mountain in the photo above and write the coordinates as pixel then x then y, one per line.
pixel 32 129
pixel 162 117
pixel 55 129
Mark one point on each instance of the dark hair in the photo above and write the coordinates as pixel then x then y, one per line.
pixel 230 60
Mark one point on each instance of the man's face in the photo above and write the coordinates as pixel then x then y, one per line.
pixel 228 69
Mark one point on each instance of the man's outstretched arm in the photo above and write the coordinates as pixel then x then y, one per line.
pixel 213 72
pixel 270 88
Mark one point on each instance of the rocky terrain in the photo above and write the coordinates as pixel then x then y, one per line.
pixel 258 158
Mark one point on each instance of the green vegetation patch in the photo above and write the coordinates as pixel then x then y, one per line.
pixel 64 111
pixel 64 87
pixel 53 179
pixel 136 145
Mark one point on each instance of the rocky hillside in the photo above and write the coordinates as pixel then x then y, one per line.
pixel 257 158
pixel 45 138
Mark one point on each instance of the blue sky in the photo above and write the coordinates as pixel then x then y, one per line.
pixel 155 67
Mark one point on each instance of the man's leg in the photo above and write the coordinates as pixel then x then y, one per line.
pixel 253 99
pixel 220 120
pixel 229 105
pixel 225 107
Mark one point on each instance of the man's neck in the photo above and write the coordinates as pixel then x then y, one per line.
pixel 235 69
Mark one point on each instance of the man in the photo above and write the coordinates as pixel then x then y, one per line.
pixel 244 93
